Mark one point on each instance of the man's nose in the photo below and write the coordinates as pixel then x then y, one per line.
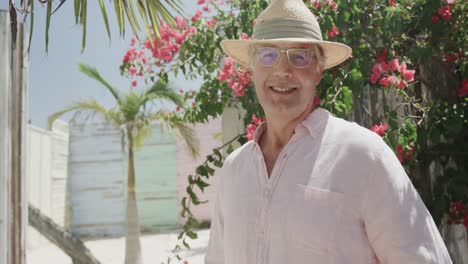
pixel 282 68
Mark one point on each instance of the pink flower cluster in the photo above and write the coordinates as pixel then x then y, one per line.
pixel 237 78
pixel 391 73
pixel 333 32
pixel 404 154
pixel 165 48
pixel 391 2
pixel 442 12
pixel 136 61
pixel 380 129
pixel 463 90
pixel 332 4
pixel 458 213
pixel 252 127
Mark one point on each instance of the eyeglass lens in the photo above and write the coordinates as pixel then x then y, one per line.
pixel 298 58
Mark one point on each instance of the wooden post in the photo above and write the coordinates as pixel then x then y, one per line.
pixel 5 150
pixel 19 126
pixel 13 86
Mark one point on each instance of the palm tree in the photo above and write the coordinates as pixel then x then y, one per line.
pixel 134 116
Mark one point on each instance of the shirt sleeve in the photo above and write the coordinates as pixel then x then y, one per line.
pixel 398 224
pixel 215 252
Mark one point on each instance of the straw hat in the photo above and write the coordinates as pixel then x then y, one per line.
pixel 287 21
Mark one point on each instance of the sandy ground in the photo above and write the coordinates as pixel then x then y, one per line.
pixel 155 248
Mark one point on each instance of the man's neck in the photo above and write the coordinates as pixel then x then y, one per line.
pixel 278 132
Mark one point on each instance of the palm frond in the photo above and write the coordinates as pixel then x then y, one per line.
pixel 104 16
pixel 141 134
pixel 131 106
pixel 161 90
pixel 48 14
pixel 88 105
pixel 180 129
pixel 189 136
pixel 83 18
pixel 94 74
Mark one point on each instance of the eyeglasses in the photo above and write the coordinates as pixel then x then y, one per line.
pixel 297 58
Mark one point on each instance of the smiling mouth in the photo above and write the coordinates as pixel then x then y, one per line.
pixel 282 90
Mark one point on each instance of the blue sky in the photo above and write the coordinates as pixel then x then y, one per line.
pixel 54 79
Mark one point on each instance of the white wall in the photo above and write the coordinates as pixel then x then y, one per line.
pixel 47 169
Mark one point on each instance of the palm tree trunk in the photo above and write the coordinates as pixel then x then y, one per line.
pixel 132 225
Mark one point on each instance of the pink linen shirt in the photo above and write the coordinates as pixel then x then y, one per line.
pixel 337 194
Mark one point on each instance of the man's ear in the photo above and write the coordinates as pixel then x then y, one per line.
pixel 318 76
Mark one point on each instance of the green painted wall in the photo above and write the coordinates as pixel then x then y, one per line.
pixel 156 175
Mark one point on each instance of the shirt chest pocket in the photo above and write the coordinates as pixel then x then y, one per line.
pixel 313 220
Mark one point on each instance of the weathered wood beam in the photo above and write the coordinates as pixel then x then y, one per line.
pixel 65 240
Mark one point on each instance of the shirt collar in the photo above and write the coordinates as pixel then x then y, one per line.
pixel 314 124
pixel 316 121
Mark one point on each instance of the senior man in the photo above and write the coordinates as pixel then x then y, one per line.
pixel 310 187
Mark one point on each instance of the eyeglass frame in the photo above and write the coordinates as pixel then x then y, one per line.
pixel 317 54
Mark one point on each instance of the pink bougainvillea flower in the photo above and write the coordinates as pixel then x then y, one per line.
pixel 207 9
pixel 380 129
pixel 132 41
pixel 394 64
pixel 384 82
pixel 463 90
pixel 435 19
pixel 376 69
pixel 445 12
pixel 250 130
pixel 130 55
pixel 315 3
pixel 408 75
pixel 132 70
pixel 374 78
pixel 392 79
pixel 334 6
pixel 201 2
pixel 333 32
pixel 402 68
pixel 381 56
pixel 254 22
pixel 197 16
pixel 180 22
pixel 134 83
pixel 211 23
pixel 391 2
pixel 401 84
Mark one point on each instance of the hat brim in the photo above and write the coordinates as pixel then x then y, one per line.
pixel 334 52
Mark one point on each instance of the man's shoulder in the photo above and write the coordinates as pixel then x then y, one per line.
pixel 239 154
pixel 353 135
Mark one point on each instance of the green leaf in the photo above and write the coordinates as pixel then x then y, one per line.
pixel 119 13
pixel 201 184
pixel 104 16
pixel 31 25
pixel 77 10
pixel 192 234
pixel 48 15
pixel 84 10
pixel 185 244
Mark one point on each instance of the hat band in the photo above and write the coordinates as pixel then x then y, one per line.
pixel 286 28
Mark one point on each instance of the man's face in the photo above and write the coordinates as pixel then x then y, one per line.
pixel 284 91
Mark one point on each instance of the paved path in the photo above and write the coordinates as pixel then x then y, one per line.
pixel 156 249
